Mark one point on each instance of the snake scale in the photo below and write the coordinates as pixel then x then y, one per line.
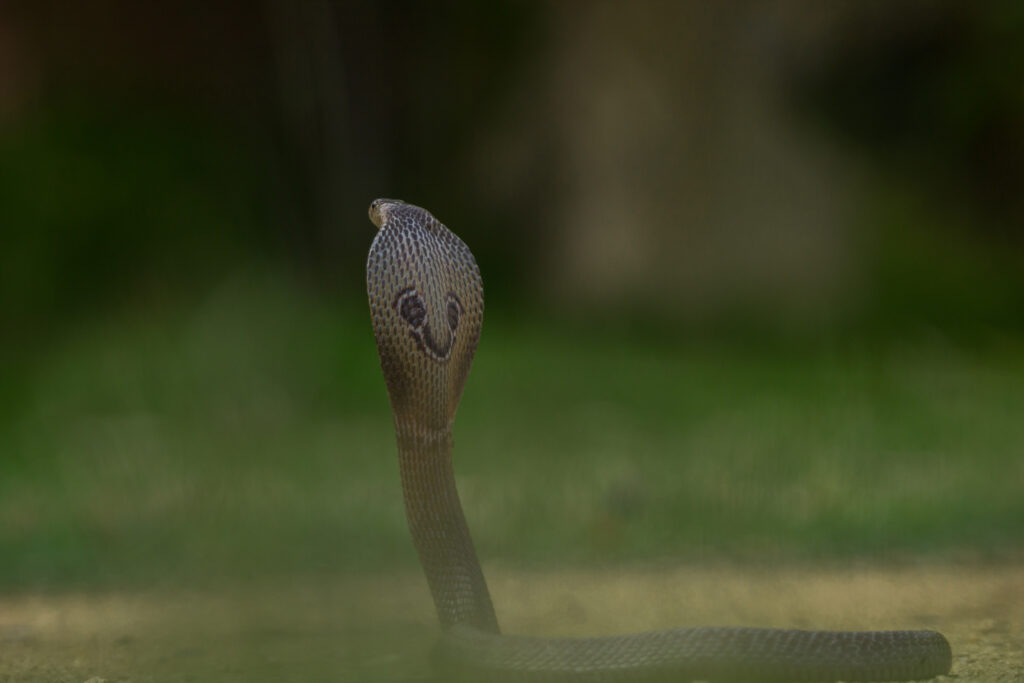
pixel 426 302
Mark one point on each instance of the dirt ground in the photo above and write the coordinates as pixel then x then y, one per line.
pixel 382 628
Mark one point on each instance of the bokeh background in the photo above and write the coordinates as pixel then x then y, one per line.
pixel 754 271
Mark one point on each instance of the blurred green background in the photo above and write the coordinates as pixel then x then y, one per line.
pixel 755 280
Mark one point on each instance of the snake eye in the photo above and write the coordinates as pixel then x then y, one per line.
pixel 413 310
pixel 454 311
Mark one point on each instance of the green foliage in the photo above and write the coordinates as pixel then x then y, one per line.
pixel 103 209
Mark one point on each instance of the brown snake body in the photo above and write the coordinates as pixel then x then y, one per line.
pixel 426 301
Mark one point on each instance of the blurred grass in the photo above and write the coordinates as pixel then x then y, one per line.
pixel 250 435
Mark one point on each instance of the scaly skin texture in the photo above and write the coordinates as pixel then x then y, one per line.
pixel 426 302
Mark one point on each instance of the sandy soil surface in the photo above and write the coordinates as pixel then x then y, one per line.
pixel 382 628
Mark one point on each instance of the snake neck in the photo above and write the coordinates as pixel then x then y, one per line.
pixel 438 528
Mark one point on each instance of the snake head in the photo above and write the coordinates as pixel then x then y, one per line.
pixel 380 208
pixel 426 302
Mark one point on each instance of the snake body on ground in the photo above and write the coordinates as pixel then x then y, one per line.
pixel 426 302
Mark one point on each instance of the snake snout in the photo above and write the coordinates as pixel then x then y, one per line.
pixel 379 209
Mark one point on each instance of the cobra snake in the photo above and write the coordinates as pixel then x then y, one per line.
pixel 426 302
